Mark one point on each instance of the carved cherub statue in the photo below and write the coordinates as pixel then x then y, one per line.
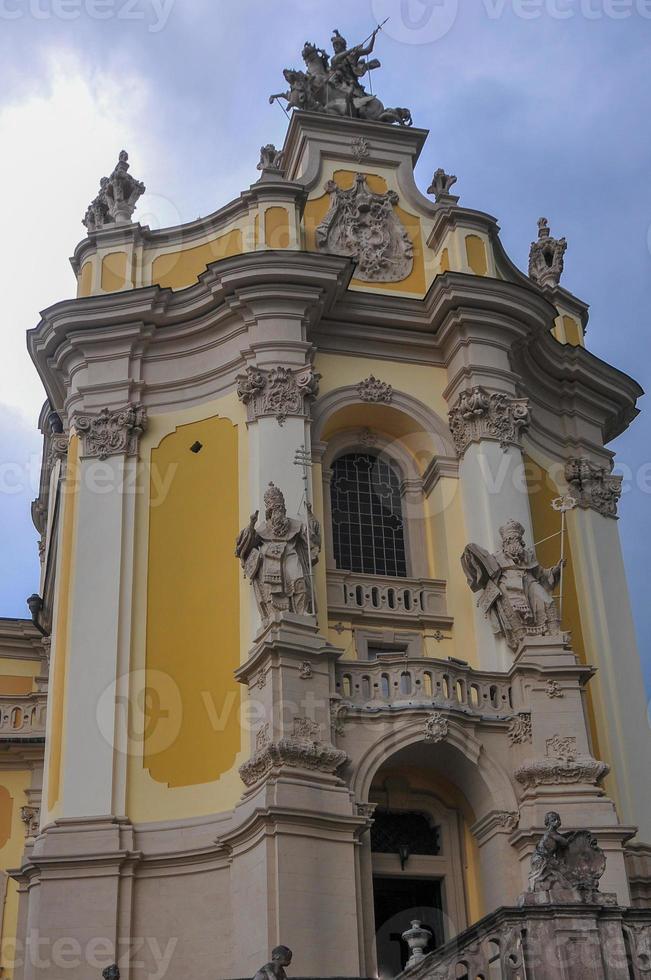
pixel 545 866
pixel 281 957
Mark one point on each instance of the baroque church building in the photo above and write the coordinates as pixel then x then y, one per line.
pixel 332 650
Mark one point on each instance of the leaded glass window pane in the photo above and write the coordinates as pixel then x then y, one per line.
pixel 367 522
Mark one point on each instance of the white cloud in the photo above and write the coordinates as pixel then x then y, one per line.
pixel 56 146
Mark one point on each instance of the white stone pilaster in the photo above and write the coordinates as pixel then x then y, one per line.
pixel 493 491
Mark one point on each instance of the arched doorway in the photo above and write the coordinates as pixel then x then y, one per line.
pixel 423 857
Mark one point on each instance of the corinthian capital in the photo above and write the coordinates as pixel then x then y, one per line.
pixel 593 486
pixel 479 414
pixel 110 433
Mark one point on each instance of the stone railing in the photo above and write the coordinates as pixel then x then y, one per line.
pixel 586 942
pixel 395 679
pixel 376 599
pixel 22 716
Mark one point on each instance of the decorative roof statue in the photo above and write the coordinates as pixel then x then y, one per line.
pixel 547 257
pixel 516 592
pixel 566 867
pixel 333 85
pixel 117 198
pixel 271 161
pixel 441 186
pixel 281 957
pixel 364 226
pixel 277 558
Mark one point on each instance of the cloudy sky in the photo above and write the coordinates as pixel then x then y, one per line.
pixel 539 106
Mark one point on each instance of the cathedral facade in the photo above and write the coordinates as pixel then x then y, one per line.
pixel 333 633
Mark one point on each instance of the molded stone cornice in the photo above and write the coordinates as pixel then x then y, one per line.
pixel 203 319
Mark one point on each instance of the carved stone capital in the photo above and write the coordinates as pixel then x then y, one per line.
pixel 593 487
pixel 280 392
pixel 373 390
pixel 110 433
pixel 559 772
pixel 58 449
pixel 295 752
pixel 479 414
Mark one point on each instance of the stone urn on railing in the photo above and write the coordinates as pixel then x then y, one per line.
pixel 417 938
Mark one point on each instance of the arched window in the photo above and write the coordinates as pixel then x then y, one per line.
pixel 367 521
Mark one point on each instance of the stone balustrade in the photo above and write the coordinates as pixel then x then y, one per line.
pixel 380 600
pixel 590 942
pixel 23 716
pixel 400 680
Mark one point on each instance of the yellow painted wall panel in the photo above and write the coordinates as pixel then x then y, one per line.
pixel 176 270
pixel 15 685
pixel 276 228
pixel 114 271
pixel 476 255
pixel 573 333
pixel 85 280
pixel 193 627
pixel 546 525
pixel 13 786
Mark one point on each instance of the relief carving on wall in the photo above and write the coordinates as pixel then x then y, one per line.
pixel 437 728
pixel 479 414
pixel 593 486
pixel 279 392
pixel 364 226
pixel 374 391
pixel 112 433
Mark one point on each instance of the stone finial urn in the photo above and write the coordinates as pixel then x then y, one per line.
pixel 417 938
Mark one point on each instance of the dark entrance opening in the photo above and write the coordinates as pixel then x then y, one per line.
pixel 398 901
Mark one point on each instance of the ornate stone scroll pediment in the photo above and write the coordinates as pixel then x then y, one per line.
pixel 479 414
pixel 279 392
pixel 593 486
pixel 364 226
pixel 112 433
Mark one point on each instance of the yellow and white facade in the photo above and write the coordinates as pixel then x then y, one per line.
pixel 168 840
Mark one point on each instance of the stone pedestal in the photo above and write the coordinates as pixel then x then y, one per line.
pixel 296 832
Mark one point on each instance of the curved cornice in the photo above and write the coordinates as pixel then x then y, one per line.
pixel 209 320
